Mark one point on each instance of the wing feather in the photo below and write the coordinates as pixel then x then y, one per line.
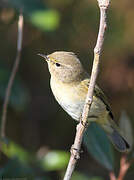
pixel 99 94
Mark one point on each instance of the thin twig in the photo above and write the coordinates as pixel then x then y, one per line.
pixel 13 73
pixel 81 127
pixel 112 176
pixel 124 165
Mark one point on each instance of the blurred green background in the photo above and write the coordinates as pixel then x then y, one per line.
pixel 39 133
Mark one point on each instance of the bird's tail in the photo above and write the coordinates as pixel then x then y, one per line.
pixel 116 137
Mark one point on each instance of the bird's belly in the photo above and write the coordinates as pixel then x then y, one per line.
pixel 74 109
pixel 72 101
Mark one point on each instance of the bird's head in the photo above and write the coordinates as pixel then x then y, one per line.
pixel 64 66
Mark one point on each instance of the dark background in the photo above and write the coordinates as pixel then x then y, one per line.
pixel 34 119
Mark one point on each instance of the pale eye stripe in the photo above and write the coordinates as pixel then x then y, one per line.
pixel 56 61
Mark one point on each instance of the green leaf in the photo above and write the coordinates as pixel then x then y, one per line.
pixel 39 15
pixel 19 97
pixel 46 19
pixel 79 176
pixel 27 6
pixel 14 169
pixel 13 150
pixel 126 128
pixel 19 163
pixel 96 178
pixel 55 160
pixel 99 146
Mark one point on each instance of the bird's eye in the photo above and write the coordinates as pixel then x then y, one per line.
pixel 57 64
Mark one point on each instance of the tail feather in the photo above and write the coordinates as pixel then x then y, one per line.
pixel 119 141
pixel 116 137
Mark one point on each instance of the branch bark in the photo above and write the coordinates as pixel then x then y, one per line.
pixel 12 77
pixel 81 127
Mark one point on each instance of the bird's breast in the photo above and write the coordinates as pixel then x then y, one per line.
pixel 68 97
pixel 72 99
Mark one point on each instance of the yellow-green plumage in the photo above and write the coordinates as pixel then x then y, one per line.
pixel 69 84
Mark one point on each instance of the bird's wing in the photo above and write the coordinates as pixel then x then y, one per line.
pixel 99 93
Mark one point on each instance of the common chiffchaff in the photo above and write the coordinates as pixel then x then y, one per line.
pixel 69 84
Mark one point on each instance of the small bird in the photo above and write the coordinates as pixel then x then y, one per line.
pixel 69 83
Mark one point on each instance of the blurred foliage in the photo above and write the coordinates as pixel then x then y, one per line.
pixel 20 96
pixel 78 176
pixel 45 20
pixel 126 127
pixel 37 13
pixel 55 160
pixel 25 162
pixel 99 146
pixel 12 150
pixel 14 169
pixel 40 132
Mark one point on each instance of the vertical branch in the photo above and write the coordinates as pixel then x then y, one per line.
pixel 75 150
pixel 13 73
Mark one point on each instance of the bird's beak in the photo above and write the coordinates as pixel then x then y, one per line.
pixel 44 56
